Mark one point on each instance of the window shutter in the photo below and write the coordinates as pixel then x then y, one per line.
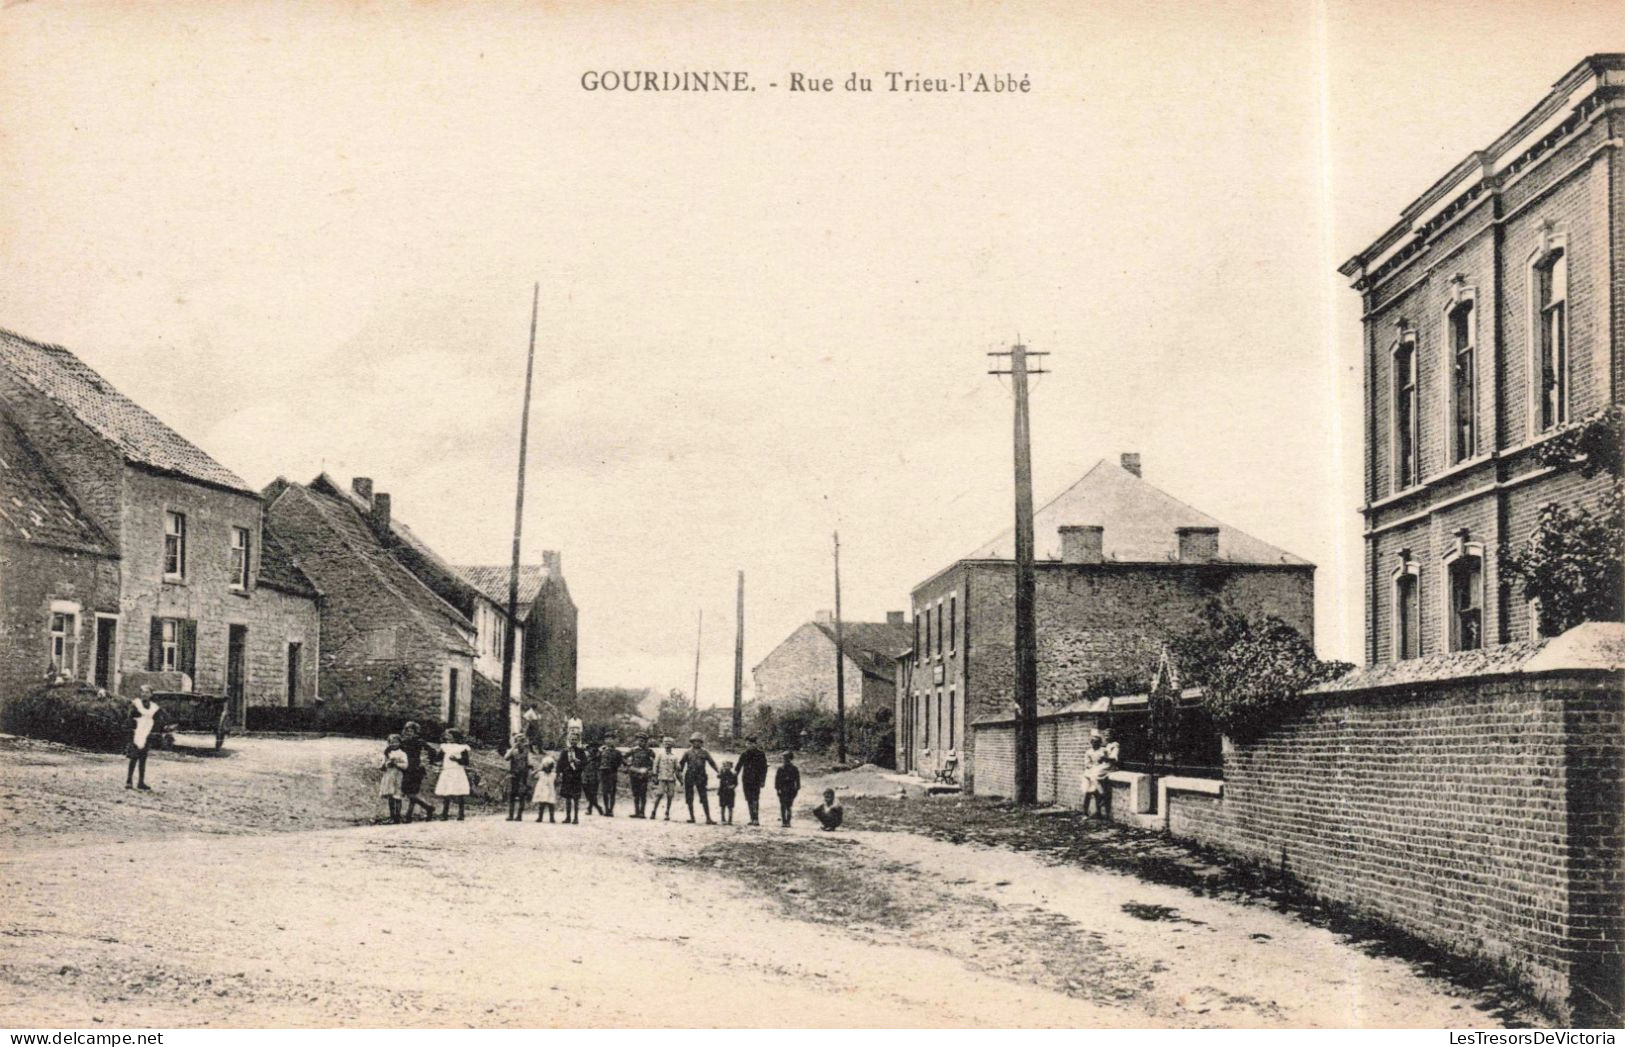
pixel 187 656
pixel 155 646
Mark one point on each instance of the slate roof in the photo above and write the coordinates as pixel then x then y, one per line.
pixel 349 523
pixel 1140 524
pixel 438 571
pixel 128 427
pixel 279 569
pixel 492 581
pixel 873 645
pixel 34 506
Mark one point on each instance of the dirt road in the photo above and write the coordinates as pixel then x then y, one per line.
pixel 168 922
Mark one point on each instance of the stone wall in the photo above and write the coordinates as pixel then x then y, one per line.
pixel 1473 801
pixel 33 577
pixel 801 669
pixel 551 641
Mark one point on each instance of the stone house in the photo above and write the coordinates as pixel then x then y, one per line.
pixel 545 664
pixel 1122 568
pixel 1494 315
pixel 392 647
pixel 191 594
pixel 58 576
pixel 802 667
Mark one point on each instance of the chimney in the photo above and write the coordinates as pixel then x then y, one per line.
pixel 1131 462
pixel 380 516
pixel 824 617
pixel 894 617
pixel 550 561
pixel 362 486
pixel 1198 544
pixel 1082 543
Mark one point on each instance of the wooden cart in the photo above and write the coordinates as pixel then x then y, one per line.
pixel 192 712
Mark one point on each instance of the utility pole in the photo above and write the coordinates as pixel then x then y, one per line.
pixel 1026 616
pixel 511 628
pixel 840 663
pixel 699 631
pixel 739 662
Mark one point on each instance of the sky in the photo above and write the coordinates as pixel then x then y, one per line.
pixel 306 237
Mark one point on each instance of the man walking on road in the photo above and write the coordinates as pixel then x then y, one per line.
pixel 639 762
pixel 609 776
pixel 665 776
pixel 695 776
pixel 752 776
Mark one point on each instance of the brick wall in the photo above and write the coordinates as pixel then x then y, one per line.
pixel 1481 814
pixel 33 577
pixel 1094 621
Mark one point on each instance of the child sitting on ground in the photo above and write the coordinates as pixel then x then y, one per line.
pixel 727 782
pixel 829 813
pixel 518 757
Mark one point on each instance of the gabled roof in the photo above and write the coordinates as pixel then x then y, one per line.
pixel 414 552
pixel 874 646
pixel 492 582
pixel 126 426
pixel 279 569
pixel 1140 524
pixel 349 523
pixel 35 507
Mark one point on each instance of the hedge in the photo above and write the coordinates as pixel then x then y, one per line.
pixel 72 714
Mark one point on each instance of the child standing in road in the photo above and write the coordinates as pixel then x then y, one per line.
pixel 389 783
pixel 787 782
pixel 665 776
pixel 589 780
pixel 453 782
pixel 727 782
pixel 518 757
pixel 546 796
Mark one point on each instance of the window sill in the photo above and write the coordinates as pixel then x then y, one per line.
pixel 172 579
pixel 237 590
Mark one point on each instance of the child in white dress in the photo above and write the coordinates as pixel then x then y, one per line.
pixel 546 796
pixel 453 782
pixel 389 783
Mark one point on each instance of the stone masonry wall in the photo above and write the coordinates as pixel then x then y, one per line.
pixel 31 577
pixel 802 669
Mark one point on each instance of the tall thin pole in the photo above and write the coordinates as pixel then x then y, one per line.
pixel 699 631
pixel 512 625
pixel 739 662
pixel 840 663
pixel 1026 667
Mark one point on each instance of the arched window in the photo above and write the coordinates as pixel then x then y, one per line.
pixel 1551 342
pixel 1406 433
pixel 1464 591
pixel 1463 382
pixel 1407 605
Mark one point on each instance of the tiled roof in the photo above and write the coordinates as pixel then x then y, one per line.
pixel 1139 520
pixel 279 569
pixel 423 561
pixel 492 581
pixel 413 596
pixel 34 507
pixel 124 424
pixel 873 645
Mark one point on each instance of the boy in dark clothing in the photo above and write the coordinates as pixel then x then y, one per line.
pixel 753 775
pixel 609 776
pixel 418 752
pixel 695 777
pixel 726 781
pixel 518 756
pixel 829 813
pixel 787 782
pixel 639 762
pixel 589 780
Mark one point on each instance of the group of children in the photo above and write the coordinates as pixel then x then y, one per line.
pixel 580 771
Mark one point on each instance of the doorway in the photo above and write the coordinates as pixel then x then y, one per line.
pixel 295 652
pixel 236 659
pixel 106 652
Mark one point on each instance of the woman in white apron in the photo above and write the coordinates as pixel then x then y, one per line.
pixel 144 717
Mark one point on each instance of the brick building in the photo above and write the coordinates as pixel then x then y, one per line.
pixel 1494 311
pixel 193 592
pixel 1122 568
pixel 391 645
pixel 545 663
pixel 802 667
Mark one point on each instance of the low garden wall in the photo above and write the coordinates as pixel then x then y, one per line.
pixel 1474 800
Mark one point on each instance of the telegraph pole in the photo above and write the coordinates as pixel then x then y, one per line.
pixel 840 663
pixel 699 631
pixel 739 662
pixel 511 629
pixel 1026 615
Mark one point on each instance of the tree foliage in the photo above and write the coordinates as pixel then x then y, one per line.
pixel 1571 561
pixel 1258 679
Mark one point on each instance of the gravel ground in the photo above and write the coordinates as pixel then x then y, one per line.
pixel 204 910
